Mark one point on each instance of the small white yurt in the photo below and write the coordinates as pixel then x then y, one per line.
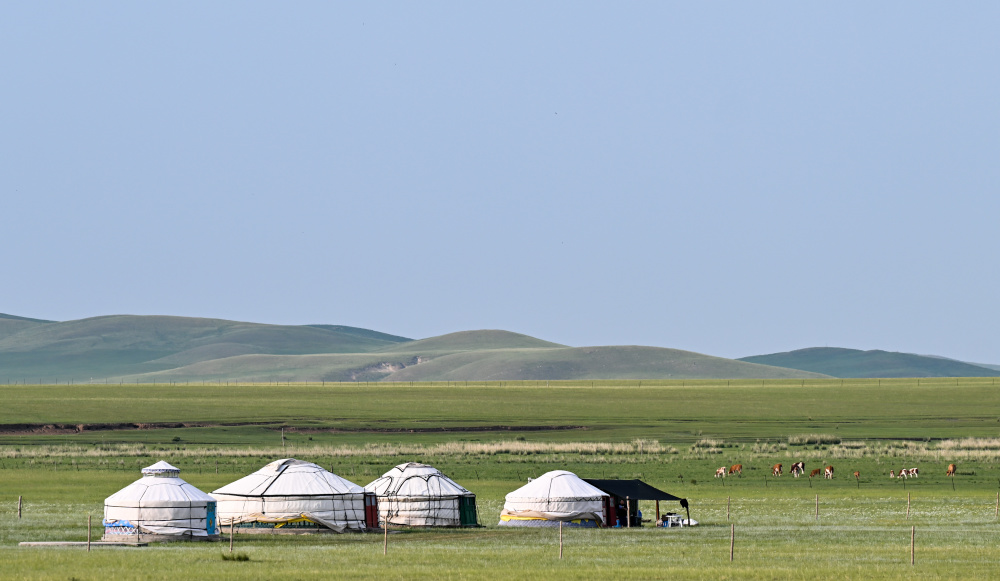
pixel 419 495
pixel 159 506
pixel 290 495
pixel 553 497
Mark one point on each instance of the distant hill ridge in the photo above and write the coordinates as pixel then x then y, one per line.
pixel 359 332
pixel 16 318
pixel 120 345
pixel 848 363
pixel 475 341
pixel 166 348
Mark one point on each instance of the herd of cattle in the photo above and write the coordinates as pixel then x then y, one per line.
pixel 799 468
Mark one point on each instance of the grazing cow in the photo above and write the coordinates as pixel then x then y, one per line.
pixel 828 472
pixel 892 474
pixel 903 473
pixel 798 469
pixel 857 476
pixel 814 473
pixel 776 471
pixel 951 470
pixel 914 472
pixel 721 472
pixel 736 469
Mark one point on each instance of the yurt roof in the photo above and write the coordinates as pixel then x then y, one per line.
pixel 557 484
pixel 161 468
pixel 413 479
pixel 290 477
pixel 158 487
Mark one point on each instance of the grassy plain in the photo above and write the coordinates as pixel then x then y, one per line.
pixel 669 411
pixel 671 434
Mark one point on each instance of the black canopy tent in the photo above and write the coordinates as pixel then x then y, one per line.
pixel 636 490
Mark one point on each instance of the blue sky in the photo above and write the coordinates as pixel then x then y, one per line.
pixel 729 178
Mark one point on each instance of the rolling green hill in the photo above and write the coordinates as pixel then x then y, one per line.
pixel 435 364
pixel 627 362
pixel 119 345
pixel 992 366
pixel 165 348
pixel 366 333
pixel 11 324
pixel 472 341
pixel 26 319
pixel 839 362
pixel 264 368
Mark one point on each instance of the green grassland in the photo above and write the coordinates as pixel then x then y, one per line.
pixel 670 411
pixel 860 533
pixel 672 434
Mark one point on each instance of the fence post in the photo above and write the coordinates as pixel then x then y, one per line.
pixel 89 519
pixel 817 507
pixel 913 537
pixel 732 541
pixel 18 507
pixel 628 513
pixel 728 499
pixel 231 526
pixel 907 506
pixel 385 527
pixel 560 539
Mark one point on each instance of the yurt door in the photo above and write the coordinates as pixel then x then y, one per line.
pixel 467 511
pixel 371 510
pixel 210 518
pixel 610 514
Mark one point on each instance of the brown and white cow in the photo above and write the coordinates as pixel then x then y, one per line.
pixel 951 470
pixel 776 470
pixel 736 469
pixel 914 472
pixel 721 472
pixel 892 474
pixel 857 476
pixel 828 472
pixel 798 469
pixel 815 473
pixel 903 473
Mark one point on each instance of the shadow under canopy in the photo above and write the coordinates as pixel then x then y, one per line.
pixel 635 490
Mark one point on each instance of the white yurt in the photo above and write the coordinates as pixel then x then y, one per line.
pixel 290 495
pixel 159 506
pixel 553 497
pixel 419 495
